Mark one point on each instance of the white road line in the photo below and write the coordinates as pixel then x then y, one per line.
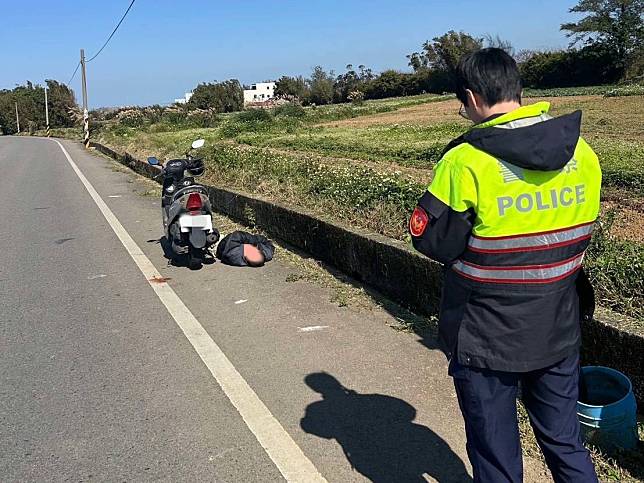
pixel 313 328
pixel 94 277
pixel 278 444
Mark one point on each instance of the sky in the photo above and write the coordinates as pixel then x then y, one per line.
pixel 166 47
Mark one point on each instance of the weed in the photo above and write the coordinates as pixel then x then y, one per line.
pixel 624 466
pixel 632 90
pixel 616 270
pixel 289 110
pixel 568 91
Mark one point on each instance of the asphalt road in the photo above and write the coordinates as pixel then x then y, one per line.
pixel 98 381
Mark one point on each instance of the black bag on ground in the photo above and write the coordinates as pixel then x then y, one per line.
pixel 231 248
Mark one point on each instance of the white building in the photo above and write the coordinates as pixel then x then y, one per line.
pixel 260 92
pixel 184 100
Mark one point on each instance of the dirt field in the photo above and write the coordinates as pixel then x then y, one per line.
pixel 612 117
pixel 424 114
pixel 629 221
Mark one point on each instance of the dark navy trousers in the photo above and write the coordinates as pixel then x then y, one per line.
pixel 488 402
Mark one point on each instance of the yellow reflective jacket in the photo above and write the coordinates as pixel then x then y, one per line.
pixel 510 211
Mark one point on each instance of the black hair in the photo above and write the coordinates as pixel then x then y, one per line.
pixel 490 73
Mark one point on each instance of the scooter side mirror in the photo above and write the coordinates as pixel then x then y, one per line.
pixel 154 161
pixel 198 143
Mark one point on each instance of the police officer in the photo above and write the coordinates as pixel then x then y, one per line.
pixel 510 212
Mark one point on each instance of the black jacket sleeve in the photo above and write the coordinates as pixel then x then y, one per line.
pixel 446 235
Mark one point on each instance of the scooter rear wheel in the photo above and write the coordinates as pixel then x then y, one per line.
pixel 195 257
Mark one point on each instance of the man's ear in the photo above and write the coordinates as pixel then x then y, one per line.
pixel 473 101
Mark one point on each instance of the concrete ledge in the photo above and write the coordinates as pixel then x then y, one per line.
pixel 395 269
pixel 612 340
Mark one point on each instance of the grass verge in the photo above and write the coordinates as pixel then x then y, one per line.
pixel 624 466
pixel 376 201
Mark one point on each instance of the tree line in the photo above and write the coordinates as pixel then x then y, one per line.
pixel 30 99
pixel 606 47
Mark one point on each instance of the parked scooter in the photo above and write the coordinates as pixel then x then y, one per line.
pixel 187 214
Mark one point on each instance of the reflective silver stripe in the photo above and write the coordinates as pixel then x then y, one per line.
pixel 510 172
pixel 530 241
pixel 519 274
pixel 525 122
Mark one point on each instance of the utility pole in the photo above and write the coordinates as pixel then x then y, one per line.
pixel 46 111
pixel 17 118
pixel 85 109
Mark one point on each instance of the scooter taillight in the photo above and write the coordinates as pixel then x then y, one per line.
pixel 194 202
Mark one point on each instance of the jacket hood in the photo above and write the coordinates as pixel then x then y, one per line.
pixel 529 138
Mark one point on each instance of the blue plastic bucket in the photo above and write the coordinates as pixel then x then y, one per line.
pixel 607 409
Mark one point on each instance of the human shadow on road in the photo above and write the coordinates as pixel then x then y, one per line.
pixel 378 435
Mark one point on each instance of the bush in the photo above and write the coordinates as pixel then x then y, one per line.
pixel 290 109
pixel 254 115
pixel 394 84
pixel 356 98
pixel 203 118
pixel 388 84
pixel 174 116
pixel 567 68
pixel 252 120
pixel 230 129
pixel 434 81
pixel 227 96
pixel 131 118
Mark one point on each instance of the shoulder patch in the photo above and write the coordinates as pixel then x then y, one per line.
pixel 418 222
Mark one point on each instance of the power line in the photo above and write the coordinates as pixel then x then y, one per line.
pixel 74 74
pixel 105 44
pixel 113 32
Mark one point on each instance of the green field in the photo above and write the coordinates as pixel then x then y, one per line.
pixel 409 134
pixel 366 166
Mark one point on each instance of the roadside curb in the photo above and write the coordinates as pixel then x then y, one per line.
pixel 394 269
